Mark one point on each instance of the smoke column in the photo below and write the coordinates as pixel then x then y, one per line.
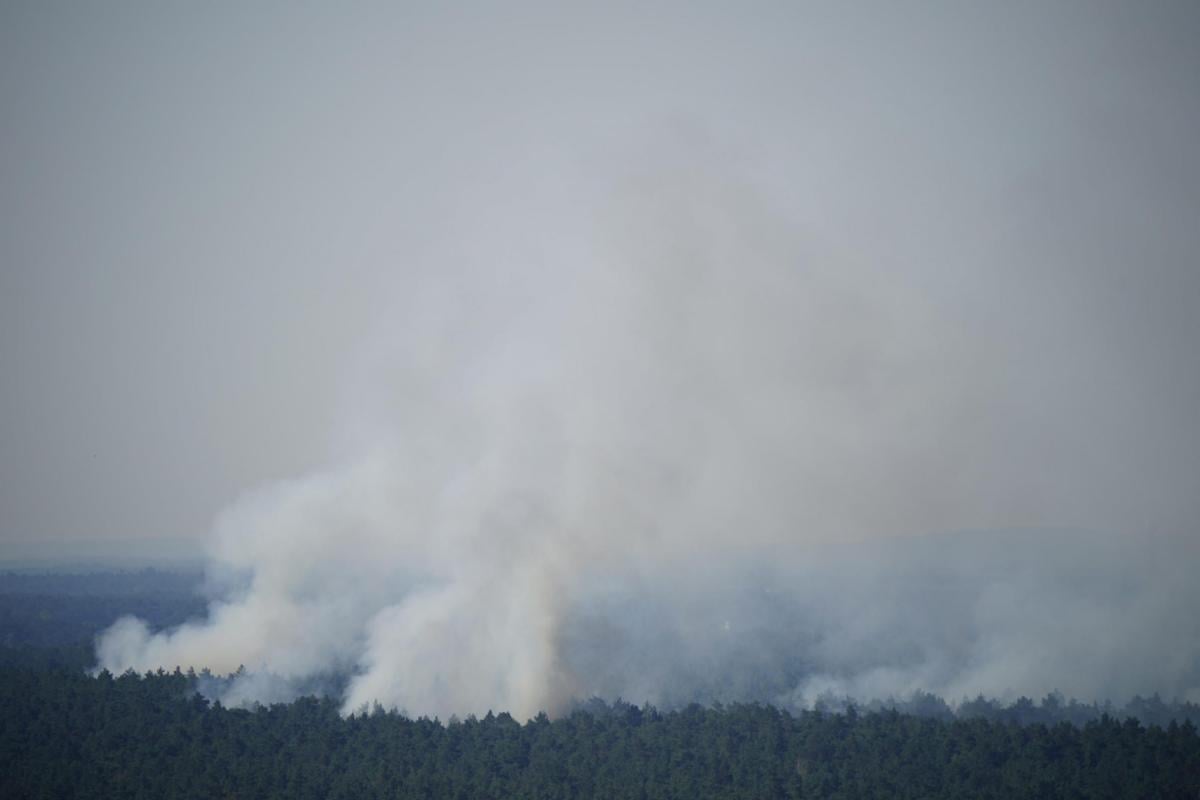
pixel 687 446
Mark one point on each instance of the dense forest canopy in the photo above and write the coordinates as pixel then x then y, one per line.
pixel 68 732
pixel 63 734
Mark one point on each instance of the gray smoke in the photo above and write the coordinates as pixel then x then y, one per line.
pixel 723 354
pixel 619 467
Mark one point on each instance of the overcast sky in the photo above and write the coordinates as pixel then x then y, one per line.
pixel 212 215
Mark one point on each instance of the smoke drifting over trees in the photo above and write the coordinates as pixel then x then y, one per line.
pixel 687 454
pixel 683 352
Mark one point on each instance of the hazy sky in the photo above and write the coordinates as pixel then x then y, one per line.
pixel 213 217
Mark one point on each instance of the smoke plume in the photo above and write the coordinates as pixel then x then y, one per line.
pixel 695 445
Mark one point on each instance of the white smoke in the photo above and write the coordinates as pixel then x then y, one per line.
pixel 574 450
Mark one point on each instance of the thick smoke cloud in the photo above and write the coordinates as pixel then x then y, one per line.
pixel 689 444
pixel 998 613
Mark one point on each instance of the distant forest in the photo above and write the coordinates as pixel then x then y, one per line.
pixel 64 733
pixel 39 609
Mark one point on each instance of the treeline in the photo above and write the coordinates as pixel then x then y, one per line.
pixel 1050 710
pixel 64 734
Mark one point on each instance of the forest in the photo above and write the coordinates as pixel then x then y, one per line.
pixel 67 733
pixel 64 734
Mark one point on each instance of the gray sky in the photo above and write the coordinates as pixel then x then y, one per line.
pixel 214 217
